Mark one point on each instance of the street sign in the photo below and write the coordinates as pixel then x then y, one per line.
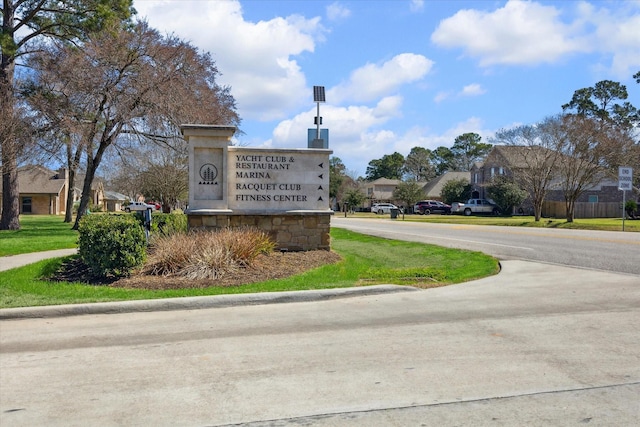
pixel 625 178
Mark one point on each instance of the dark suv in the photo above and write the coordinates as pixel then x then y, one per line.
pixel 426 207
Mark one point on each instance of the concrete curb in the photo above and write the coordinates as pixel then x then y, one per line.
pixel 196 303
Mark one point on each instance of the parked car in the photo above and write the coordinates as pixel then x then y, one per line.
pixel 138 206
pixel 426 207
pixel 475 206
pixel 382 208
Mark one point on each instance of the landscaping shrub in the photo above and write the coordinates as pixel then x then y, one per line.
pixel 207 254
pixel 165 224
pixel 111 245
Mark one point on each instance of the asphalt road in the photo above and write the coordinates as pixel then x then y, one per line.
pixel 600 250
pixel 537 345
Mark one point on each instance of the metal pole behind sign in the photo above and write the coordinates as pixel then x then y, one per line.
pixel 624 211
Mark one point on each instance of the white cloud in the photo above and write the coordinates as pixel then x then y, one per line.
pixel 357 134
pixel 473 89
pixel 257 59
pixel 530 33
pixel 518 33
pixel 441 96
pixel 337 11
pixel 616 34
pixel 373 81
pixel 416 5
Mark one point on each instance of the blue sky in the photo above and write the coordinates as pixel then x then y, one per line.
pixel 403 73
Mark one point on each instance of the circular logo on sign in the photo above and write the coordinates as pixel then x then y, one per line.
pixel 208 172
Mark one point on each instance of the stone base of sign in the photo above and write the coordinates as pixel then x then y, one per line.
pixel 291 230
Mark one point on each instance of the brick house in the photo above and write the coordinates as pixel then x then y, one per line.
pixel 43 191
pixel 600 200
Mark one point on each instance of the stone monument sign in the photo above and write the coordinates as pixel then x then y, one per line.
pixel 284 192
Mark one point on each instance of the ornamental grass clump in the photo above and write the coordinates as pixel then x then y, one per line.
pixel 207 254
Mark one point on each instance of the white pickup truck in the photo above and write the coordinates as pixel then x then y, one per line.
pixel 475 206
pixel 138 206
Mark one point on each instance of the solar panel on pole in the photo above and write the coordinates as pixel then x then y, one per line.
pixel 318 94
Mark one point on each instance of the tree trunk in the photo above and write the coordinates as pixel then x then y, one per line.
pixel 72 165
pixel 570 205
pixel 10 219
pixel 92 165
pixel 10 197
pixel 68 215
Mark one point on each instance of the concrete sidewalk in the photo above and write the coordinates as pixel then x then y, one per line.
pixel 15 261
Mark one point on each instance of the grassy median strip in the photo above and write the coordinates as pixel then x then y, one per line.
pixel 366 261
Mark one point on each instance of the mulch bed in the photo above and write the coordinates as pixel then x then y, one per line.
pixel 265 267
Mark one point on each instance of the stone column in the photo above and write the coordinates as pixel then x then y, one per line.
pixel 208 147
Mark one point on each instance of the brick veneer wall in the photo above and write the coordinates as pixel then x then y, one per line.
pixel 292 232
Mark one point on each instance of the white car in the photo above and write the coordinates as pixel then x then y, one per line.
pixel 382 208
pixel 138 206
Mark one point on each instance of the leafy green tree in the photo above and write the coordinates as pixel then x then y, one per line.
pixel 389 166
pixel 354 198
pixel 443 160
pixel 468 149
pixel 506 193
pixel 599 102
pixel 25 22
pixel 456 190
pixel 418 165
pixel 337 175
pixel 409 192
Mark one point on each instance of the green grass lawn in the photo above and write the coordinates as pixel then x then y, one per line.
pixel 366 261
pixel 38 233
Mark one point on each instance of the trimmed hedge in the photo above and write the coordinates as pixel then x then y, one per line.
pixel 165 224
pixel 111 245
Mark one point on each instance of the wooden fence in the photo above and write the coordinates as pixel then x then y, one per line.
pixel 583 210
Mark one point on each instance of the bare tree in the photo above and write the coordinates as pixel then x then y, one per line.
pixel 24 22
pixel 589 147
pixel 532 159
pixel 135 83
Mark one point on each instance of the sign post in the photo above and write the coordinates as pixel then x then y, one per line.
pixel 625 182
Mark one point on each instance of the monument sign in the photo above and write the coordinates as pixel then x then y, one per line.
pixel 282 191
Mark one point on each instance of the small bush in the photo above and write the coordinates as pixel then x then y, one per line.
pixel 207 254
pixel 111 245
pixel 163 224
pixel 95 208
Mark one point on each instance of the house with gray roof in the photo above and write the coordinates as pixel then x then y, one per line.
pixel 41 190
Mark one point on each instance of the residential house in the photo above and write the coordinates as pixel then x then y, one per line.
pixel 97 192
pixel 41 190
pixel 379 191
pixel 433 189
pixel 113 201
pixel 600 200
